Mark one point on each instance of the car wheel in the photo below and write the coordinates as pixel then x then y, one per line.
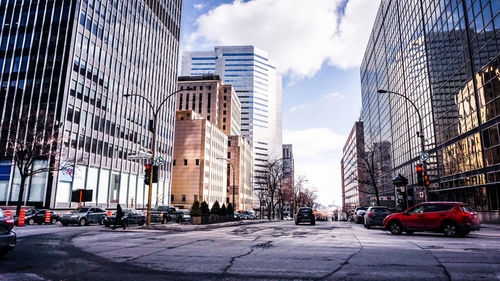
pixel 82 222
pixel 396 228
pixel 31 222
pixel 409 232
pixel 313 223
pixel 296 223
pixel 367 226
pixel 164 221
pixel 101 221
pixel 106 224
pixel 53 221
pixel 141 223
pixel 4 251
pixel 450 229
pixel 64 223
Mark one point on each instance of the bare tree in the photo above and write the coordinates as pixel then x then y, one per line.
pixel 269 179
pixel 372 166
pixel 291 193
pixel 33 138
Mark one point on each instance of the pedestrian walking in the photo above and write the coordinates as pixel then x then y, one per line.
pixel 119 216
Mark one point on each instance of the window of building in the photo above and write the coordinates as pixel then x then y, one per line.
pixel 172 197
pixel 183 197
pixel 197 162
pixel 195 197
pixel 185 162
pixel 173 163
pixel 229 155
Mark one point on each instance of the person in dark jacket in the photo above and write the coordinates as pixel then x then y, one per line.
pixel 119 217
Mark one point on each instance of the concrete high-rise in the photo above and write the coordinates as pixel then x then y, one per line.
pixel 255 80
pixel 288 182
pixel 76 60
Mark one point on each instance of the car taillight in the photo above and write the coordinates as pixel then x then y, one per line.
pixel 9 220
pixel 370 214
pixel 313 213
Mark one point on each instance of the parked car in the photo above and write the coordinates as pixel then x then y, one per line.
pixel 359 214
pixel 130 216
pixel 84 216
pixel 33 216
pixel 186 215
pixel 245 215
pixel 166 214
pixel 375 216
pixel 305 214
pixel 8 237
pixel 451 218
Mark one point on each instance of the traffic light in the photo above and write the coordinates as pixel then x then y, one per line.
pixel 147 173
pixel 426 180
pixel 155 174
pixel 420 175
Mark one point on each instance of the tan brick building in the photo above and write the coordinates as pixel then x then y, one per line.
pixel 240 154
pixel 213 100
pixel 198 174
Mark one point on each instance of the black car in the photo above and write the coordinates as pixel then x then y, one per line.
pixel 130 216
pixel 375 216
pixel 305 214
pixel 33 216
pixel 84 216
pixel 359 214
pixel 8 238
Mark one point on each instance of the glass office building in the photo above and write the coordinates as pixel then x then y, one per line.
pixel 258 86
pixel 76 60
pixel 444 56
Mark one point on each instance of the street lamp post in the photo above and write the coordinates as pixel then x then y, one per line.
pixel 155 112
pixel 419 134
pixel 234 206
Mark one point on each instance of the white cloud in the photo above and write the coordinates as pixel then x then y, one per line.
pixel 333 96
pixel 317 152
pixel 299 107
pixel 299 35
pixel 199 6
pixel 310 143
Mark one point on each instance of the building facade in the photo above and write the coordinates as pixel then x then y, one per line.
pixel 444 56
pixel 199 174
pixel 77 60
pixel 253 76
pixel 288 176
pixel 240 155
pixel 354 189
pixel 213 100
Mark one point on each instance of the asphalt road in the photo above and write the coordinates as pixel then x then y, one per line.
pixel 267 251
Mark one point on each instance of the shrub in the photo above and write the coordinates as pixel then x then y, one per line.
pixel 195 209
pixel 230 210
pixel 215 209
pixel 205 211
pixel 223 210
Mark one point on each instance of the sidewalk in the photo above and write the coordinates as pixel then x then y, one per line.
pixel 175 227
pixel 491 226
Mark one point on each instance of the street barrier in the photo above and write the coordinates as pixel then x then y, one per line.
pixel 47 216
pixel 22 214
pixel 8 213
pixel 108 213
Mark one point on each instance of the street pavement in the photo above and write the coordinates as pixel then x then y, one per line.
pixel 266 251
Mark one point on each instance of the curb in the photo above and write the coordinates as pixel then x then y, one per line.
pixel 191 227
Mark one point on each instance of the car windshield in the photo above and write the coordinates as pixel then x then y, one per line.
pixel 81 210
pixel 467 209
pixel 30 212
pixel 305 210
pixel 159 208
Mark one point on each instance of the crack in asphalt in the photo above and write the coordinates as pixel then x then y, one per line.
pixel 346 261
pixel 445 270
pixel 263 246
pixel 167 248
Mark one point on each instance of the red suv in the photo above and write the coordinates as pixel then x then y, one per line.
pixel 451 218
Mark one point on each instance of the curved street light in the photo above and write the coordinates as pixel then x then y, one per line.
pixel 155 112
pixel 419 134
pixel 228 161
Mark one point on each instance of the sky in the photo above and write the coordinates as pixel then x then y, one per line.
pixel 317 46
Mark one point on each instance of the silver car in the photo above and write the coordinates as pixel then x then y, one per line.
pixel 8 238
pixel 375 216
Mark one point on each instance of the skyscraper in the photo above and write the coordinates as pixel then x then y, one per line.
pixel 76 60
pixel 443 56
pixel 253 76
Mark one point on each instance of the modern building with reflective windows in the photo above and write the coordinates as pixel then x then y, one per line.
pixel 76 60
pixel 255 80
pixel 444 56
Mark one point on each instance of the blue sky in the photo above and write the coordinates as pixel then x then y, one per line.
pixel 317 45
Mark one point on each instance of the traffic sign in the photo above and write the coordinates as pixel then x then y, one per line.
pixel 424 156
pixel 159 161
